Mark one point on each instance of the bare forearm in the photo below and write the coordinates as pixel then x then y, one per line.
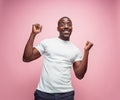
pixel 84 63
pixel 80 67
pixel 31 53
pixel 29 47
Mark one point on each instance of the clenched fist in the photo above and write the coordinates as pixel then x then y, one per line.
pixel 36 28
pixel 88 45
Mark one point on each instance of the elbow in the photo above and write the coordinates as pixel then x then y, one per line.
pixel 25 59
pixel 80 77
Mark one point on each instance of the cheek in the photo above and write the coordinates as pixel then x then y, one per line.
pixel 70 28
pixel 61 28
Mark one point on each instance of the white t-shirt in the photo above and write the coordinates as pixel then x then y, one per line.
pixel 59 56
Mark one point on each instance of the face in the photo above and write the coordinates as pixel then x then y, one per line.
pixel 65 28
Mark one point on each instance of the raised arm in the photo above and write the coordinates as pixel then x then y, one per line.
pixel 80 67
pixel 31 53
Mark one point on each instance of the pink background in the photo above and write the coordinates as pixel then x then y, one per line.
pixel 95 20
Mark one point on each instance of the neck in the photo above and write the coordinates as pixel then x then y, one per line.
pixel 64 38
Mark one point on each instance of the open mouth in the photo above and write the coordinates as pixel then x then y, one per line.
pixel 66 32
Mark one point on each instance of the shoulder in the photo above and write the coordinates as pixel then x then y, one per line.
pixel 47 40
pixel 74 46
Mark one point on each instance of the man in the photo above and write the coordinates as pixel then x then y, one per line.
pixel 59 57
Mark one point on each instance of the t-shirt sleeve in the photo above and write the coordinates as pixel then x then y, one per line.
pixel 41 47
pixel 78 56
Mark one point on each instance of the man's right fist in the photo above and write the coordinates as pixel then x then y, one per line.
pixel 36 28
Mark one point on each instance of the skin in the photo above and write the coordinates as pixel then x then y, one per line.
pixel 65 29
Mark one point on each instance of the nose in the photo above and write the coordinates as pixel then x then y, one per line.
pixel 66 25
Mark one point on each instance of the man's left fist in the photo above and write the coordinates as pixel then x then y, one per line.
pixel 88 45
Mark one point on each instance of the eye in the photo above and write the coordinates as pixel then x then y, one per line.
pixel 61 24
pixel 69 24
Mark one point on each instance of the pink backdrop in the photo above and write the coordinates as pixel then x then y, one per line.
pixel 94 20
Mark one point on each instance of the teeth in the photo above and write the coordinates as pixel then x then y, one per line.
pixel 66 31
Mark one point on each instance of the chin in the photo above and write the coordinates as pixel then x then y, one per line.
pixel 66 34
pixel 66 37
